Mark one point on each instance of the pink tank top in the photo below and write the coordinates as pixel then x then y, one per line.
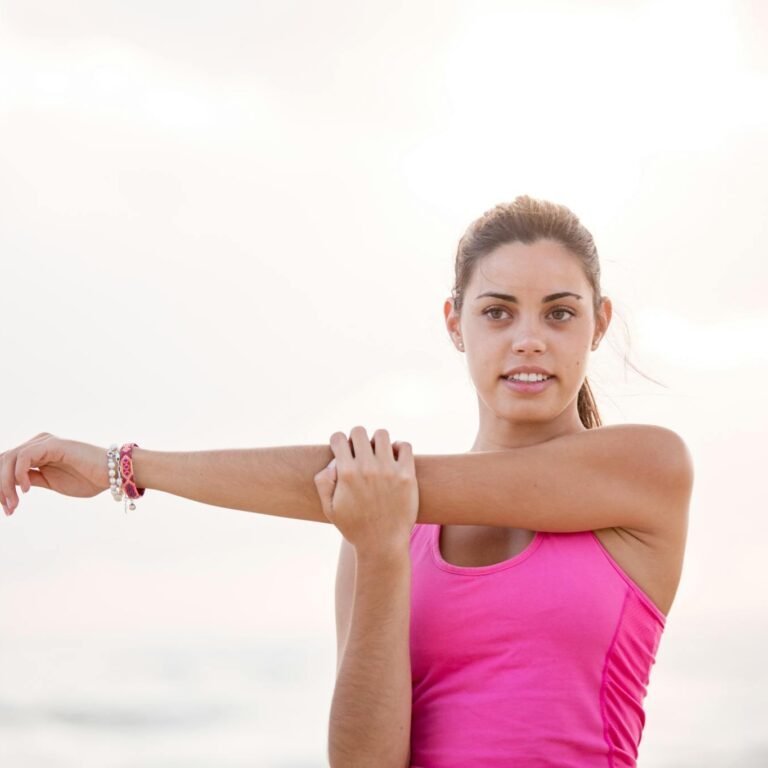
pixel 540 660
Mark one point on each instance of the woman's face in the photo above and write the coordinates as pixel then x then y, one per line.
pixel 528 326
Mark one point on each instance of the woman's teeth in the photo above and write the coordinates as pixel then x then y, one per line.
pixel 528 377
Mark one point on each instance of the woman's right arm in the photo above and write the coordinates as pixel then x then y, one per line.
pixel 636 476
pixel 274 481
pixel 370 720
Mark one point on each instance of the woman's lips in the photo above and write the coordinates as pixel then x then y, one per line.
pixel 527 386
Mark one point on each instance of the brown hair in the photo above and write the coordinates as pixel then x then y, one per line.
pixel 527 220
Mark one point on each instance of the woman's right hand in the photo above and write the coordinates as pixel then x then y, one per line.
pixel 65 466
pixel 369 491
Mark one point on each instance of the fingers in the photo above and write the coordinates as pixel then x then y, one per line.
pixel 369 452
pixel 382 445
pixel 8 497
pixel 363 451
pixel 21 472
pixel 16 469
pixel 342 453
pixel 405 456
pixel 362 447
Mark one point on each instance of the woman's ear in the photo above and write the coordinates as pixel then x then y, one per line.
pixel 452 323
pixel 602 320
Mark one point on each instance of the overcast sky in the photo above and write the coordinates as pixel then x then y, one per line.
pixel 233 224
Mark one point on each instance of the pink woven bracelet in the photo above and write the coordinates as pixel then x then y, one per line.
pixel 129 487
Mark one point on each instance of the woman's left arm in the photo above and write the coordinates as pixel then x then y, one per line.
pixel 630 475
pixel 636 476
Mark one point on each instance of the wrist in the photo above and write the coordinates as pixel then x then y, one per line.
pixel 145 467
pixel 389 554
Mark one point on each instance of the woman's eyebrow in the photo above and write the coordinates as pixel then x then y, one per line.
pixel 513 299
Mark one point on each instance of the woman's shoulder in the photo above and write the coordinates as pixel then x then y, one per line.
pixel 656 437
pixel 640 428
pixel 659 452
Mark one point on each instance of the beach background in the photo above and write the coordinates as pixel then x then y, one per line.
pixel 230 225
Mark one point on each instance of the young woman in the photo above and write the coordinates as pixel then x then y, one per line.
pixel 494 608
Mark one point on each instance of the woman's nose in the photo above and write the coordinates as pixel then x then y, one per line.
pixel 528 340
pixel 528 346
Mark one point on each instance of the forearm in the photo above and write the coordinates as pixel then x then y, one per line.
pixel 272 481
pixel 535 487
pixel 370 720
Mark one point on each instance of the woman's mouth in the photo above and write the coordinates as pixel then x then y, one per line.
pixel 527 386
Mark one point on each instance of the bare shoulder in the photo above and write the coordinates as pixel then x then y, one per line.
pixel 674 475
pixel 660 455
pixel 644 437
pixel 663 459
pixel 654 556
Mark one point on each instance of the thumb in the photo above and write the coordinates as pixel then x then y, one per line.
pixel 36 478
pixel 325 482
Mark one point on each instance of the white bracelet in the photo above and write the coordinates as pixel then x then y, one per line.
pixel 115 476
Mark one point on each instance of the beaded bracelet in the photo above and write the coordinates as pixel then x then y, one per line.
pixel 121 481
pixel 115 481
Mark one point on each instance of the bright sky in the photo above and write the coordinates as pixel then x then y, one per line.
pixel 233 224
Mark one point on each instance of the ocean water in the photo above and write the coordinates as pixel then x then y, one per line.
pixel 193 702
pixel 163 704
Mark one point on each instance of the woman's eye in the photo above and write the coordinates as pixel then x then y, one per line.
pixel 491 310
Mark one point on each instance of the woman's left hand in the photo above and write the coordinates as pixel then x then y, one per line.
pixel 369 490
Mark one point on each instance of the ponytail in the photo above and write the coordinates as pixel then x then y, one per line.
pixel 587 407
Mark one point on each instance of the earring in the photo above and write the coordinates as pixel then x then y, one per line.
pixel 461 345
